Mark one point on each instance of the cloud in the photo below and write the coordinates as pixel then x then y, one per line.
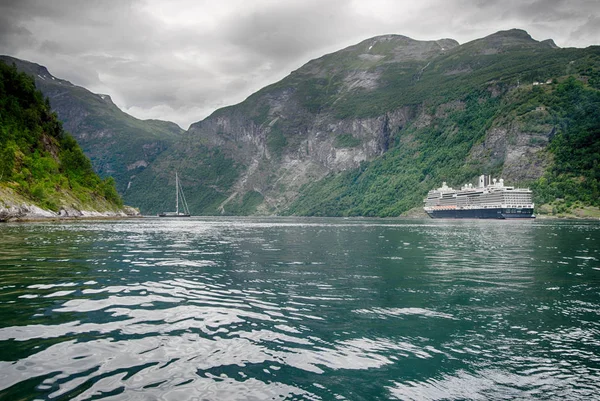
pixel 183 59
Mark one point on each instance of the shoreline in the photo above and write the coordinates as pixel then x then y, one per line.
pixel 63 219
pixel 87 215
pixel 16 208
pixel 31 213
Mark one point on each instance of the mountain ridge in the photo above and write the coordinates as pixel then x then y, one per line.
pixel 118 144
pixel 349 108
pixel 343 109
pixel 43 171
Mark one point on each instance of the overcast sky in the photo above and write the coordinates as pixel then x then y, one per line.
pixel 181 60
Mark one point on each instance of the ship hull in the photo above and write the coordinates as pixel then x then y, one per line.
pixel 489 213
pixel 173 215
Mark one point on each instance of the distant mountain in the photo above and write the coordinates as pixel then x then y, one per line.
pixel 368 130
pixel 43 171
pixel 118 144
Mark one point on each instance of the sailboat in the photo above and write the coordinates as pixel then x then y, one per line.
pixel 178 195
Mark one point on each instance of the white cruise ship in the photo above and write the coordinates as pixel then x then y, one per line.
pixel 491 199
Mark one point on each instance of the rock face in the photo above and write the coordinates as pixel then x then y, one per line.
pixel 24 211
pixel 522 154
pixel 293 156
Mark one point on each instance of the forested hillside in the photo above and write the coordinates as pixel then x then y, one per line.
pixel 39 161
pixel 562 116
pixel 119 145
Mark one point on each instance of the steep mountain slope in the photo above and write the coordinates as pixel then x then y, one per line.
pixel 255 156
pixel 42 168
pixel 369 129
pixel 118 144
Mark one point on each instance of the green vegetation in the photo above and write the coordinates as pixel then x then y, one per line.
pixel 117 144
pixel 575 175
pixel 38 159
pixel 420 159
pixel 423 157
pixel 246 206
pixel 276 141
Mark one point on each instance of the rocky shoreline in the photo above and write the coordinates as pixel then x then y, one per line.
pixel 30 212
pixel 34 213
pixel 14 207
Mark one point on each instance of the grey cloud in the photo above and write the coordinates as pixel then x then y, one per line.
pixel 288 29
pixel 94 12
pixel 13 37
pixel 176 68
pixel 591 28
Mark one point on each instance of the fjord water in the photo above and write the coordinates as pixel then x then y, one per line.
pixel 304 309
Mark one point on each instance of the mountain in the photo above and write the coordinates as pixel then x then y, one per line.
pixel 118 144
pixel 368 130
pixel 43 171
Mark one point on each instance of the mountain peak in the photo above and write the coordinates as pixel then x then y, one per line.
pixel 28 67
pixel 501 41
pixel 106 98
pixel 515 34
pixel 37 71
pixel 550 43
pixel 401 47
pixel 374 52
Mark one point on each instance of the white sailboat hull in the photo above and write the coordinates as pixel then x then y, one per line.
pixel 168 214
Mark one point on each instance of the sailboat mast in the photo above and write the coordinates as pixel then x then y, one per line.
pixel 176 193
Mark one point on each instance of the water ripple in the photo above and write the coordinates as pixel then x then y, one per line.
pixel 237 309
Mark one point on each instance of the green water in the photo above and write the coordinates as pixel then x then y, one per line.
pixel 303 309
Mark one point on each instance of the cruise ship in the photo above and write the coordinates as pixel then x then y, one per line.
pixel 491 199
